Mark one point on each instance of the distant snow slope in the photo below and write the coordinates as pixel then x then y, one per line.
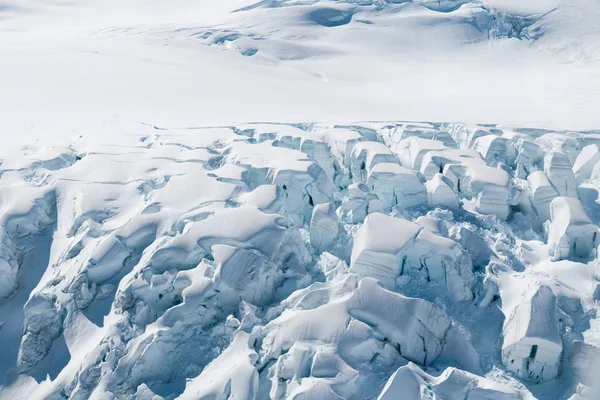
pixel 297 261
pixel 182 63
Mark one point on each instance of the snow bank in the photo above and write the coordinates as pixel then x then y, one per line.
pixel 323 226
pixel 246 273
pixel 42 325
pixel 358 204
pixel 466 135
pixel 585 162
pixel 342 142
pixel 303 180
pixel 252 229
pixel 560 142
pixel 107 259
pixel 472 178
pixel 387 247
pixel 436 160
pixel 231 375
pixel 411 383
pixel 380 246
pixel 541 194
pixel 311 143
pixel 532 347
pixel 411 151
pixel 529 157
pixel 366 155
pixel 441 194
pixel 443 260
pixel 572 233
pixel 560 172
pixel 399 135
pixel 268 198
pixel 394 184
pixel 309 371
pixel 415 327
pixel 493 148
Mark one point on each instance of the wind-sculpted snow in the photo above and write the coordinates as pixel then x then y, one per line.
pixel 302 261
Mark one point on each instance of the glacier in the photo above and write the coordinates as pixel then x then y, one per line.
pixel 201 268
pixel 299 199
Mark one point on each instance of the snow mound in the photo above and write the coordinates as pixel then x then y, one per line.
pixel 410 382
pixel 560 172
pixel 415 327
pixel 406 246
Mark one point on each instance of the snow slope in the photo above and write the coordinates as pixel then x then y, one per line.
pixel 190 63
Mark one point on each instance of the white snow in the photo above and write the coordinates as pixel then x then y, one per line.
pixel 441 194
pixel 323 226
pixel 355 207
pixel 414 326
pixel 274 199
pixel 220 378
pixel 572 233
pixel 387 247
pixel 472 178
pixel 396 185
pixel 411 151
pixel 245 262
pixel 529 157
pixel 378 247
pixel 410 382
pixel 560 172
pixel 532 348
pixel 492 148
pixel 585 162
pixel 365 156
pixel 542 193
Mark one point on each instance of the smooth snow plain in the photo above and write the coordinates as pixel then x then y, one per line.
pixel 192 208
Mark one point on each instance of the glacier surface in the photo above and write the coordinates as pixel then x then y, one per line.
pixel 244 199
pixel 300 261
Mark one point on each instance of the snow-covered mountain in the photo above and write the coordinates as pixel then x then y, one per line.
pixel 195 205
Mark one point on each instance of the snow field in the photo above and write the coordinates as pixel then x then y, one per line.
pixel 290 261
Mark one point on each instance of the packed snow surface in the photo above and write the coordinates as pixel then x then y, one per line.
pixel 217 199
pixel 85 66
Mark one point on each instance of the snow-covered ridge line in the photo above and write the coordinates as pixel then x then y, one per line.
pixel 302 261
